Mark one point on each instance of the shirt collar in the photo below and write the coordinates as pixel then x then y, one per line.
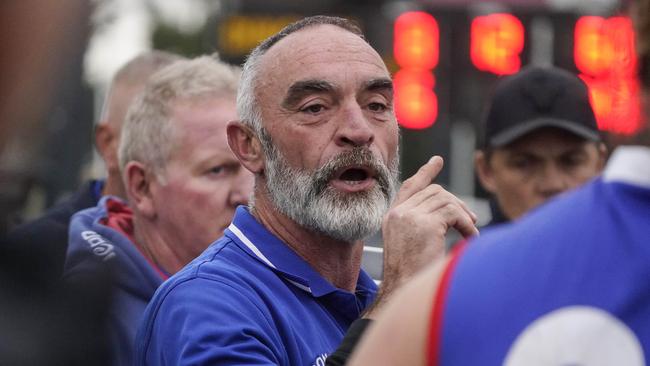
pixel 629 164
pixel 96 188
pixel 254 238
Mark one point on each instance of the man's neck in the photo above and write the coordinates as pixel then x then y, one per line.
pixel 337 261
pixel 152 244
pixel 113 186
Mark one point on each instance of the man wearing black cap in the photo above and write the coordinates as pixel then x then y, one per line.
pixel 540 139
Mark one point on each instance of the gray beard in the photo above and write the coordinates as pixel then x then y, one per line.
pixel 307 198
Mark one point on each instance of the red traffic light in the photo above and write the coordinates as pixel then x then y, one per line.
pixel 496 42
pixel 604 51
pixel 616 103
pixel 416 40
pixel 416 104
pixel 604 45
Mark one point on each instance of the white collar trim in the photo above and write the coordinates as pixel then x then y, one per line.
pixel 629 164
pixel 258 253
pixel 250 245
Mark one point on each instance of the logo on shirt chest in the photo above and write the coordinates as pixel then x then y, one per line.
pixel 99 245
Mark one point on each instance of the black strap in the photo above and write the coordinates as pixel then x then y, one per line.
pixel 349 343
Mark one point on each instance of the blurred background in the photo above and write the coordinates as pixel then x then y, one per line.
pixel 445 56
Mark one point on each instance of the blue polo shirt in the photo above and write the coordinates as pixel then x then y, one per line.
pixel 248 300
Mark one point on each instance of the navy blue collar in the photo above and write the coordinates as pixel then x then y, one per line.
pixel 256 240
pixel 96 188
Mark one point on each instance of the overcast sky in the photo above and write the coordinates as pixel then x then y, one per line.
pixel 126 31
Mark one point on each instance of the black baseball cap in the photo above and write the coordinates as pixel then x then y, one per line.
pixel 539 97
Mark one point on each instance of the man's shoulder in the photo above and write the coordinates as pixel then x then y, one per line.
pixel 54 222
pixel 46 237
pixel 81 199
pixel 93 245
pixel 85 227
pixel 223 264
pixel 219 296
pixel 223 277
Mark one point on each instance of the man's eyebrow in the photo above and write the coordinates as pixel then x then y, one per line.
pixel 299 89
pixel 381 84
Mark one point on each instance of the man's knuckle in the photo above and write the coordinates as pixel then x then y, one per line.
pixel 407 184
pixel 395 214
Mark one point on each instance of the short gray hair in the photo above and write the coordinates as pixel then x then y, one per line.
pixel 247 107
pixel 135 73
pixel 147 131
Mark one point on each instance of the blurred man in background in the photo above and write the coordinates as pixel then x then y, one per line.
pixel 182 182
pixel 48 235
pixel 127 83
pixel 566 285
pixel 540 139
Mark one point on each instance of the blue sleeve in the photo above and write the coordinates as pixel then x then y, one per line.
pixel 208 322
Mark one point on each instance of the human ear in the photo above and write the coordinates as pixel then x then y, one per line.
pixel 104 141
pixel 137 181
pixel 246 146
pixel 484 171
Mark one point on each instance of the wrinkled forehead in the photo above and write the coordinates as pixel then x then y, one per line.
pixel 322 52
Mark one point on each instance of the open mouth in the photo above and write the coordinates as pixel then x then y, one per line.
pixel 354 175
pixel 353 179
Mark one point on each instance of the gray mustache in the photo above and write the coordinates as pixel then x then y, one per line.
pixel 356 156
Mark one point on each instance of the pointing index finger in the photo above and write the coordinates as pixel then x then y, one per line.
pixel 421 179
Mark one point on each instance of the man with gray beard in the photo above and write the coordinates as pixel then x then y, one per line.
pixel 282 286
pixel 308 199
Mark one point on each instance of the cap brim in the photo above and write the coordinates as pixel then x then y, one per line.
pixel 522 129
